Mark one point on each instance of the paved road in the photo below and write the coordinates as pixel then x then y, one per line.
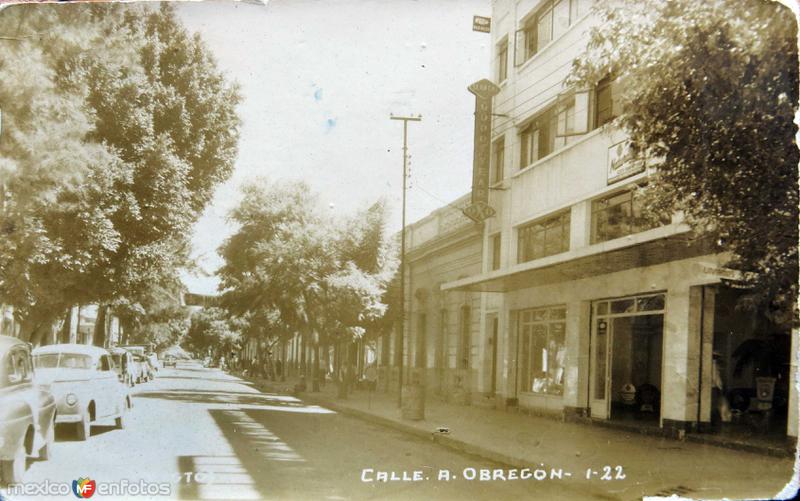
pixel 207 435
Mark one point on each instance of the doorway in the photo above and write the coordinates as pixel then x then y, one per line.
pixel 626 361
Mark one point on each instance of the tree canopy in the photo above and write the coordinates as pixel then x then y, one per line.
pixel 709 90
pixel 117 127
pixel 290 269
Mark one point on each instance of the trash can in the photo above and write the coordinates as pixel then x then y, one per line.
pixel 413 405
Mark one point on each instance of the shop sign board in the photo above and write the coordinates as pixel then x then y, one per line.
pixel 621 162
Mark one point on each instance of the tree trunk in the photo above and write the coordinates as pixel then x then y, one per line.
pixel 64 335
pixel 100 334
pixel 315 362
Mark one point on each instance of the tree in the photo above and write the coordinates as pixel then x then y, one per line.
pixel 289 269
pixel 150 130
pixel 710 90
pixel 211 334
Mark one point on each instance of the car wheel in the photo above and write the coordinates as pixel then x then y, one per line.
pixel 12 471
pixel 84 428
pixel 46 452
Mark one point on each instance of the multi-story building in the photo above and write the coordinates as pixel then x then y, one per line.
pixel 584 303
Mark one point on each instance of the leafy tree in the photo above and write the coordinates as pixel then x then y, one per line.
pixel 211 334
pixel 710 89
pixel 102 194
pixel 290 269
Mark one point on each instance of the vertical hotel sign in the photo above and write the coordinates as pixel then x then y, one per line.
pixel 480 210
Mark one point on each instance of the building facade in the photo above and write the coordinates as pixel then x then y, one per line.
pixel 441 346
pixel 589 305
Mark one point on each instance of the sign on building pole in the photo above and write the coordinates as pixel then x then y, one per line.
pixel 480 210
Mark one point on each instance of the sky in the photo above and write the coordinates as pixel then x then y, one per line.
pixel 319 80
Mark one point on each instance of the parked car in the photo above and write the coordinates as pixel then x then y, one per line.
pixel 85 385
pixel 124 365
pixel 170 361
pixel 27 412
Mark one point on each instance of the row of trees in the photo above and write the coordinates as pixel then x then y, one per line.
pixel 117 127
pixel 293 269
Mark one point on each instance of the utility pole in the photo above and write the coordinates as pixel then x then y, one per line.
pixel 401 339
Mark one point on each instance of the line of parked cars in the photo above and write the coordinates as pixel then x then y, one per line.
pixel 65 384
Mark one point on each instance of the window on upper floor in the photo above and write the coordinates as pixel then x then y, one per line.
pixel 620 214
pixel 549 22
pixel 498 159
pixel 553 128
pixel 606 101
pixel 502 60
pixel 495 251
pixel 544 237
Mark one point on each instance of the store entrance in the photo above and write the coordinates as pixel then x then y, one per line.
pixel 627 344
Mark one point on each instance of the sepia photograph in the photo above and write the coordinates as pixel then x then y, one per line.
pixel 399 249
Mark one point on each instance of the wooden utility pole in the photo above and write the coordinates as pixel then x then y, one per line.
pixel 401 339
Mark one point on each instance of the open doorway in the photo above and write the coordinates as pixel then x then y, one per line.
pixel 750 369
pixel 627 346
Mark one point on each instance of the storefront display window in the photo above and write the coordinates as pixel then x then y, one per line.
pixel 542 333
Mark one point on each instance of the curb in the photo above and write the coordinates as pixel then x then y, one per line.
pixel 444 440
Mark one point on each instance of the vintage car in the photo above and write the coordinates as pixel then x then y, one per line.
pixel 124 366
pixel 85 385
pixel 170 361
pixel 27 412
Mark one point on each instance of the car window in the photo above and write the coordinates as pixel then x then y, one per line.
pixel 62 361
pixel 105 364
pixel 23 365
pixel 17 368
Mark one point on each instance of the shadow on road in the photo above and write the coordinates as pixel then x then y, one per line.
pixel 267 401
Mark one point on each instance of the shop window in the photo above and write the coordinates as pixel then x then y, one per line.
pixel 551 21
pixel 545 237
pixel 619 215
pixel 498 160
pixel 496 251
pixel 543 350
pixel 502 61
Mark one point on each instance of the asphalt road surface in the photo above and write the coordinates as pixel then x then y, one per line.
pixel 198 433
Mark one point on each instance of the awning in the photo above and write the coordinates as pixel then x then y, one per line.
pixel 599 259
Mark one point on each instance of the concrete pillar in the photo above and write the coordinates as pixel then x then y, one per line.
pixel 675 390
pixel 580 224
pixel 576 376
pixel 706 353
pixel 794 401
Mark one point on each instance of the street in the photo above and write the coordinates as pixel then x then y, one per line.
pixel 212 436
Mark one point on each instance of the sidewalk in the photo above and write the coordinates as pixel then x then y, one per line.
pixel 652 465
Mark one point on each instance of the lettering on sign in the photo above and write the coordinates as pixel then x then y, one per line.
pixel 483 90
pixel 621 162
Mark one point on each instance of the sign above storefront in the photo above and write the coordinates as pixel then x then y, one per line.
pixel 483 90
pixel 482 24
pixel 621 162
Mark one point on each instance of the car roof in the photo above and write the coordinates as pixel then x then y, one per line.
pixel 80 349
pixel 7 342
